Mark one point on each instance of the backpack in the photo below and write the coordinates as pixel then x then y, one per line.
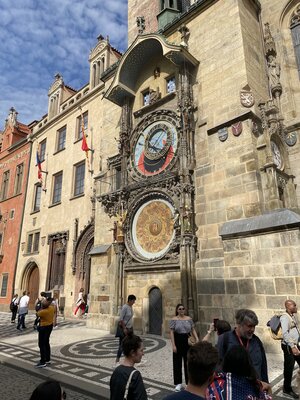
pixel 275 327
pixel 12 306
pixel 38 305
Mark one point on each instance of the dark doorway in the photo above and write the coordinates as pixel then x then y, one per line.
pixel 155 311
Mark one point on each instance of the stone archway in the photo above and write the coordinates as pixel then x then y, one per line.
pixel 82 261
pixel 31 282
pixel 155 311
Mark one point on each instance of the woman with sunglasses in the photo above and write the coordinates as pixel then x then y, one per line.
pixel 181 327
pixel 49 390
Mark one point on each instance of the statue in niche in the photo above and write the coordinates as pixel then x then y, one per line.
pixel 187 219
pixel 120 226
pixel 273 71
pixel 114 230
pixel 156 72
pixel 154 95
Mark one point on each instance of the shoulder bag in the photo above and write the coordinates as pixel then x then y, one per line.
pixel 128 384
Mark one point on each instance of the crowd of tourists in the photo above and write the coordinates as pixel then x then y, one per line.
pixel 235 368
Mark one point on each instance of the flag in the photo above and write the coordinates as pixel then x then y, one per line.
pixel 84 145
pixel 39 165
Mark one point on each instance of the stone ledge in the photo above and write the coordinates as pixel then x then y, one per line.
pixel 277 220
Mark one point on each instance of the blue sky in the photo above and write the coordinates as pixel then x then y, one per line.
pixel 42 37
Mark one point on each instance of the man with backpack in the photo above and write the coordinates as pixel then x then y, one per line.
pixel 14 307
pixel 289 346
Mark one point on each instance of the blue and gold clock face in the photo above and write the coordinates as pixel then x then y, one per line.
pixel 155 148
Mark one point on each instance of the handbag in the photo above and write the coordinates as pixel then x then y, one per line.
pixel 191 340
pixel 128 384
pixel 120 332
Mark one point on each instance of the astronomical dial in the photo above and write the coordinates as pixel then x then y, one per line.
pixel 155 148
pixel 152 229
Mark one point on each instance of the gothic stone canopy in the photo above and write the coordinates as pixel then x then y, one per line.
pixel 144 48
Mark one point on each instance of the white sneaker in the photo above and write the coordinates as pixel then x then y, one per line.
pixel 178 387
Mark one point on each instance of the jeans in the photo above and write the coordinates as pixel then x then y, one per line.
pixel 44 342
pixel 288 366
pixel 21 321
pixel 14 313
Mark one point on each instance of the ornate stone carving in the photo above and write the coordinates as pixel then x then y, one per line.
pixel 58 82
pixel 83 245
pixel 140 22
pixel 273 65
pixel 295 16
pixel 12 117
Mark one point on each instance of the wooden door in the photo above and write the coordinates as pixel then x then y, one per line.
pixel 33 286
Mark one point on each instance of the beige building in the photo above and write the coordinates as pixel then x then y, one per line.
pixel 58 226
pixel 199 196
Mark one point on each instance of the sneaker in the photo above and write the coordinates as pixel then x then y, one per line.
pixel 178 387
pixel 291 393
pixel 40 365
pixel 19 329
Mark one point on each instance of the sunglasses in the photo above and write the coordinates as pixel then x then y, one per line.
pixel 64 395
pixel 180 308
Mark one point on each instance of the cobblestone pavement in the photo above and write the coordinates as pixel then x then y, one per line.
pixel 17 384
pixel 83 359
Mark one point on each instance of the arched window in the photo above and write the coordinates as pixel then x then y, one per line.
pixel 295 30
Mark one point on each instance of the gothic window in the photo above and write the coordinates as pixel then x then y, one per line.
pixel 115 173
pixel 171 84
pixel 94 72
pixel 79 179
pixel 33 241
pixel 18 179
pixel 295 30
pixel 57 188
pixel 61 138
pixel 4 282
pixel 4 186
pixel 37 197
pixel 42 150
pixel 79 125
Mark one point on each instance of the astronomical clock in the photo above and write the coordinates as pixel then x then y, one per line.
pixel 153 212
pixel 154 147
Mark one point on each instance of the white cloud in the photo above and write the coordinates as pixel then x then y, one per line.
pixel 40 38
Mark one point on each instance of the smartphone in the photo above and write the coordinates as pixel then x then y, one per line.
pixel 215 321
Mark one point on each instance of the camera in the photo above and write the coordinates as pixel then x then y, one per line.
pixel 215 322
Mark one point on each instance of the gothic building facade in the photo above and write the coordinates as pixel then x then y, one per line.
pixel 15 152
pixel 58 225
pixel 194 171
pixel 203 189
